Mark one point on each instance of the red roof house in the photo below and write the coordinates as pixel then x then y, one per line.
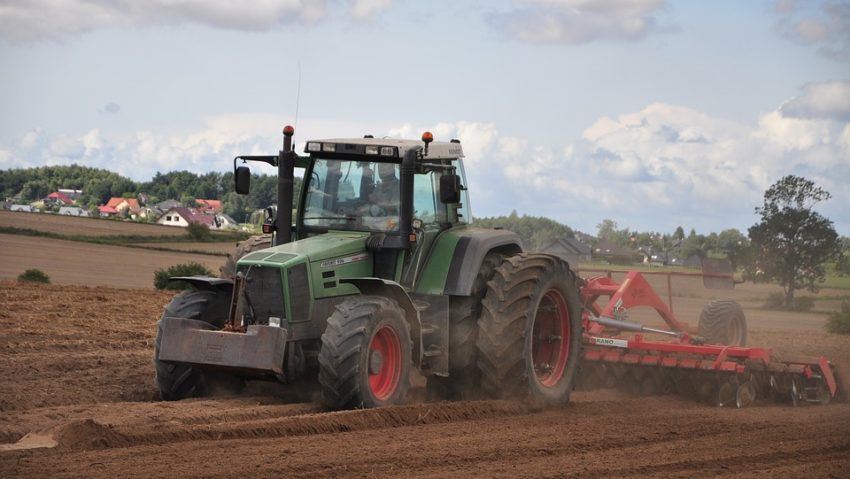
pixel 121 204
pixel 209 206
pixel 59 198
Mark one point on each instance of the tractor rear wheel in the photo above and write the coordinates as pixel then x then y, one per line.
pixel 366 354
pixel 254 243
pixel 178 381
pixel 464 312
pixel 723 322
pixel 529 332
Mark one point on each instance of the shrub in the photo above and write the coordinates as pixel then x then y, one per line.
pixel 34 276
pixel 839 321
pixel 160 276
pixel 804 303
pixel 777 301
pixel 198 231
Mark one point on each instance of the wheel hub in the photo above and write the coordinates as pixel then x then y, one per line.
pixel 550 339
pixel 376 361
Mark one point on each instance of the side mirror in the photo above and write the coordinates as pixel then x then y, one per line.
pixel 450 189
pixel 242 176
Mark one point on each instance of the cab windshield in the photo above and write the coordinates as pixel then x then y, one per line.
pixel 355 195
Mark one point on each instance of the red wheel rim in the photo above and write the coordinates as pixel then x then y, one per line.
pixel 384 363
pixel 550 347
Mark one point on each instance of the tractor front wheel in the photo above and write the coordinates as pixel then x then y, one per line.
pixel 529 332
pixel 178 381
pixel 366 354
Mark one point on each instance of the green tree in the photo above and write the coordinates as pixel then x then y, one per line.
pixel 791 242
pixel 732 244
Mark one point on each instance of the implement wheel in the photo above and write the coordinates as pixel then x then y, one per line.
pixel 365 358
pixel 254 243
pixel 529 336
pixel 178 381
pixel 464 312
pixel 723 322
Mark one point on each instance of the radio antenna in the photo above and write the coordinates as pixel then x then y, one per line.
pixel 298 95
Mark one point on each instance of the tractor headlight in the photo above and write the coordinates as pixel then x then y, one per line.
pixel 313 146
pixel 274 321
pixel 387 151
pixel 329 147
pixel 371 150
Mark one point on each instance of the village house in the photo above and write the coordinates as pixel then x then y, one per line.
pixel 182 216
pixel 58 199
pixel 124 204
pixel 208 207
pixel 73 211
pixel 571 250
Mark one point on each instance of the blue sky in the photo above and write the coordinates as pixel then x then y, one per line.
pixel 654 114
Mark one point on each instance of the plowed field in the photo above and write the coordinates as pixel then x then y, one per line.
pixel 77 400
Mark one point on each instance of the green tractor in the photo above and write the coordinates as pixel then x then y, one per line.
pixel 379 272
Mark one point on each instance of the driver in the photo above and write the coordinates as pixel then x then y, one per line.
pixel 385 196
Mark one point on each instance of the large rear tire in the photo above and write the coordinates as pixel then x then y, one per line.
pixel 723 322
pixel 464 312
pixel 254 243
pixel 178 381
pixel 529 332
pixel 366 354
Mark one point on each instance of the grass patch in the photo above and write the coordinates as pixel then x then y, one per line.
pixel 837 282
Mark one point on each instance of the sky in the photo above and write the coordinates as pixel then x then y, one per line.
pixel 652 113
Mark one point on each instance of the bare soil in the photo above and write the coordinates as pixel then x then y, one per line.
pixel 78 399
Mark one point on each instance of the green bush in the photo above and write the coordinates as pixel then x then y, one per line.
pixel 839 321
pixel 198 231
pixel 777 301
pixel 34 276
pixel 160 276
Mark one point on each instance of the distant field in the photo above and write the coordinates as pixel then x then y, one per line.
pixel 72 225
pixel 74 262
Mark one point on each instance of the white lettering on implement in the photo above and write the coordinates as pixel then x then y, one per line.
pixel 348 259
pixel 614 343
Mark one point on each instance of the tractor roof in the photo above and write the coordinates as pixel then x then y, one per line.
pixel 436 150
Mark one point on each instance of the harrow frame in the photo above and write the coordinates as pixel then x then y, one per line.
pixel 722 374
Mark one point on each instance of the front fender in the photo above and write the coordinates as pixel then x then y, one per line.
pixel 205 283
pixel 393 290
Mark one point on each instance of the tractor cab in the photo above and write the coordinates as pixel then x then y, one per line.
pixel 403 193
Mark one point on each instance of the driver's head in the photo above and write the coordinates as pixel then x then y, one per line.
pixel 386 171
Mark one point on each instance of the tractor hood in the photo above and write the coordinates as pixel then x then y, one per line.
pixel 317 263
pixel 334 245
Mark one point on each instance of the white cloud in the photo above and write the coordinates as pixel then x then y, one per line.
pixel 367 8
pixel 580 21
pixel 824 101
pixel 823 24
pixel 664 165
pixel 31 20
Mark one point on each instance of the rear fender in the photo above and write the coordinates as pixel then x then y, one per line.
pixel 393 290
pixel 469 253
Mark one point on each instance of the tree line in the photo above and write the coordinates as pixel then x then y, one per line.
pixel 99 185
